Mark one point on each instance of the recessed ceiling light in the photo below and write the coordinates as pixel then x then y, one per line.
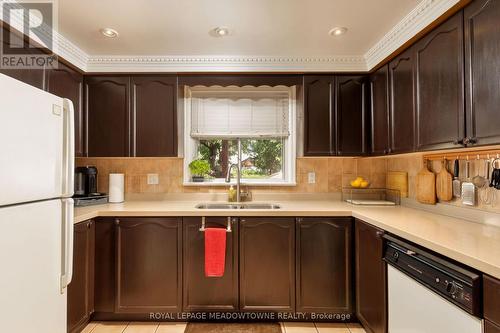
pixel 221 31
pixel 337 31
pixel 108 32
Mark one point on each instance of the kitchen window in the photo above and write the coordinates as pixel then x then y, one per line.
pixel 263 118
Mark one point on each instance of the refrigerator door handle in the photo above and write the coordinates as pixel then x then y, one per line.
pixel 67 244
pixel 69 149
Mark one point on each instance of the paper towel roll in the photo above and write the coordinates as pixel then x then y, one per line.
pixel 116 187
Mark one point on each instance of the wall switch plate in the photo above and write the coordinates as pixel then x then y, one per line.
pixel 153 179
pixel 311 177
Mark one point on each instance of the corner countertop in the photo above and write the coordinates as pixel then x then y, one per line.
pixel 474 244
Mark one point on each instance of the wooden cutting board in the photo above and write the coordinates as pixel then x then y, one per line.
pixel 426 186
pixel 398 180
pixel 444 184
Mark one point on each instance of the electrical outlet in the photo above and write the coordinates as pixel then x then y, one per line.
pixel 311 177
pixel 153 179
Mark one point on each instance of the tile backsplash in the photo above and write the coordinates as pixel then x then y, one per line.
pixel 331 174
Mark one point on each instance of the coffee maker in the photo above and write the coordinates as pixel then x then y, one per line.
pixel 86 187
pixel 86 181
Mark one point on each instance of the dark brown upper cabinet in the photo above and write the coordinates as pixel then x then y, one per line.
pixel 379 93
pixel 148 265
pixel 107 110
pixel 402 103
pixel 439 83
pixel 324 265
pixel 267 264
pixel 371 279
pixel 319 117
pixel 351 112
pixel 81 288
pixel 201 293
pixel 68 83
pixel 154 101
pixel 482 49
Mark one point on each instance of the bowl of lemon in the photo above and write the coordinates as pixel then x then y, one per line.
pixel 359 182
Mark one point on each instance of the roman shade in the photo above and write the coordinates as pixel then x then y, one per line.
pixel 240 114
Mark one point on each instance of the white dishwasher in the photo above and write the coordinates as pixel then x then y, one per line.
pixel 427 294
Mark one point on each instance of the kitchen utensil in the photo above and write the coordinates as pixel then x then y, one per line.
pixel 479 180
pixel 457 190
pixel 444 187
pixel 468 188
pixel 485 194
pixel 426 186
pixel 398 180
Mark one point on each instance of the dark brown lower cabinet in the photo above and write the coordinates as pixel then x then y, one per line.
pixel 81 288
pixel 324 269
pixel 489 327
pixel 491 299
pixel 201 293
pixel 371 285
pixel 267 264
pixel 148 265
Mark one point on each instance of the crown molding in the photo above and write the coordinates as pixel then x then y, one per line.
pixel 225 64
pixel 426 12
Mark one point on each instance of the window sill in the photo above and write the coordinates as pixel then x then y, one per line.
pixel 243 183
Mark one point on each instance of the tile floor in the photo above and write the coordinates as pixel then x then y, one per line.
pixel 151 327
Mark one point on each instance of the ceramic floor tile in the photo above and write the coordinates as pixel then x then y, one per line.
pixel 145 327
pixel 331 328
pixel 354 328
pixel 110 327
pixel 89 328
pixel 171 328
pixel 293 327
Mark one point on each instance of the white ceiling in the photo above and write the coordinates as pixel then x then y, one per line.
pixel 258 27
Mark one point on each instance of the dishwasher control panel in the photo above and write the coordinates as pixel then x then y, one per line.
pixel 457 284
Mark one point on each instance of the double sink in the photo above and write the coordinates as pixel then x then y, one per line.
pixel 238 206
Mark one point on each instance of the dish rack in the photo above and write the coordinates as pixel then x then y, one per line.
pixel 371 196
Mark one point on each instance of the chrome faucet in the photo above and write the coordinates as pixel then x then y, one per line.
pixel 238 173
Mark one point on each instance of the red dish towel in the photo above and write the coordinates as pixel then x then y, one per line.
pixel 215 251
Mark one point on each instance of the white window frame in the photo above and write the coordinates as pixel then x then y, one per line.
pixel 289 147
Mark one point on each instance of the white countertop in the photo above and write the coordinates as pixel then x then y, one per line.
pixel 474 244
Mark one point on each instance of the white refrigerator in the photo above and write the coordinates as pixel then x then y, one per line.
pixel 36 209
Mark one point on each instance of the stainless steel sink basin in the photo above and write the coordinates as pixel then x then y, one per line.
pixel 238 206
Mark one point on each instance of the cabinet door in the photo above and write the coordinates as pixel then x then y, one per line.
pixel 489 327
pixel 81 288
pixel 267 264
pixel 491 299
pixel 371 285
pixel 105 264
pixel 108 116
pixel 402 103
pixel 66 82
pixel 154 101
pixel 482 47
pixel 379 91
pixel 148 265
pixel 319 136
pixel 203 293
pixel 324 265
pixel 351 115
pixel 439 82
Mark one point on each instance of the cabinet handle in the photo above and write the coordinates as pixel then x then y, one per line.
pixel 470 140
pixel 300 219
pixel 460 142
pixel 379 234
pixel 117 221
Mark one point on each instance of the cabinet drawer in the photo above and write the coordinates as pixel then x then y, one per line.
pixel 491 299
